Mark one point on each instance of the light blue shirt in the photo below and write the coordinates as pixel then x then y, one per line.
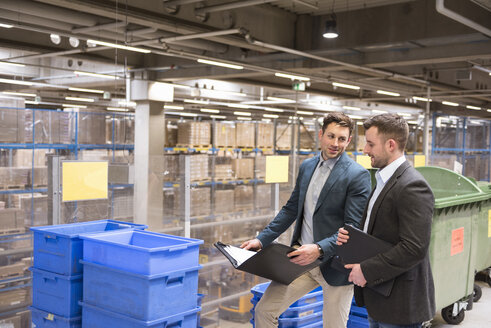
pixel 319 178
pixel 382 176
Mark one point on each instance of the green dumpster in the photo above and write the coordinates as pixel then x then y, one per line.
pixel 458 204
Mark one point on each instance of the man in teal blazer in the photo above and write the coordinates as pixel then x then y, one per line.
pixel 331 190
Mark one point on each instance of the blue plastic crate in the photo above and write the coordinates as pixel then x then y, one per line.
pixel 313 297
pixel 297 311
pixel 142 252
pixel 59 248
pixel 95 317
pixel 308 321
pixel 43 319
pixel 143 297
pixel 357 322
pixel 359 311
pixel 56 293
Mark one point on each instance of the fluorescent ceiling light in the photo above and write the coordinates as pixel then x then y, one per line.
pixel 356 117
pixel 127 103
pixel 449 103
pixel 404 114
pixel 218 116
pixel 412 122
pixel 102 76
pixel 195 101
pixel 347 86
pixel 12 64
pixel 283 100
pixel 242 113
pixel 267 120
pixel 6 25
pixel 304 113
pixel 270 115
pixel 212 62
pixel 117 109
pixel 210 110
pixel 378 111
pixel 118 46
pixel 238 106
pixel 173 107
pixel 31 102
pixel 277 110
pixel 422 99
pixel 351 108
pixel 181 114
pixel 19 94
pixel 73 106
pixel 292 77
pixel 15 82
pixel 468 106
pixel 244 118
pixel 80 99
pixel 86 90
pixel 181 86
pixel 388 93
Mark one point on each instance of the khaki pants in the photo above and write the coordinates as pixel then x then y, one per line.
pixel 278 297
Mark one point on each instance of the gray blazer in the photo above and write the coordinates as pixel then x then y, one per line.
pixel 340 202
pixel 402 216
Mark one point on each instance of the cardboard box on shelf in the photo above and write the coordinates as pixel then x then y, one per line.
pixel 193 134
pixel 34 207
pixel 48 126
pixel 245 135
pixel 223 172
pixel 170 135
pixel 243 168
pixel 224 135
pixel 12 120
pixel 224 201
pixel 14 298
pixel 260 167
pixel 263 196
pixel 91 126
pixel 24 157
pixel 284 136
pixel 200 202
pixel 11 219
pixel 11 322
pixel 265 135
pixel 119 173
pixel 13 177
pixel 121 128
pixel 38 176
pixel 243 196
pixel 12 270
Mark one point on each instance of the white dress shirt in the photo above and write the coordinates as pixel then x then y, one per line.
pixel 319 178
pixel 382 176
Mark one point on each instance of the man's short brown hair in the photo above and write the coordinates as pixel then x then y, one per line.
pixel 338 118
pixel 390 126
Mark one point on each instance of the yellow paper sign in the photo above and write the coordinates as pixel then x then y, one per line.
pixel 419 160
pixel 84 180
pixel 364 161
pixel 276 169
pixel 489 224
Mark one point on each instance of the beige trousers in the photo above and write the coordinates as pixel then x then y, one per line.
pixel 278 297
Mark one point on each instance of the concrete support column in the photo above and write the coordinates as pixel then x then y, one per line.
pixel 149 151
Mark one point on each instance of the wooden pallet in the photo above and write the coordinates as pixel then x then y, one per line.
pixel 12 231
pixel 192 146
pixel 12 271
pixel 12 187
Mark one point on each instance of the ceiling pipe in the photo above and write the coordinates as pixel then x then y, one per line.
pixel 440 7
pixel 251 40
pixel 231 5
pixel 306 4
pixel 179 2
pixel 98 27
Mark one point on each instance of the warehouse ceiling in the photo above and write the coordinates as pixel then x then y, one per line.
pixel 387 53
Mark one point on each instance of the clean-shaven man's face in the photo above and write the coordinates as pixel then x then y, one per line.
pixel 377 148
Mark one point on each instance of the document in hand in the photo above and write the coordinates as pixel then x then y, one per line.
pixel 271 262
pixel 361 246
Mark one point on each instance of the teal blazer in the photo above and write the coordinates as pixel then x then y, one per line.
pixel 341 201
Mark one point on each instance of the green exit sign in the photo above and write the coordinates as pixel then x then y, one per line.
pixel 299 86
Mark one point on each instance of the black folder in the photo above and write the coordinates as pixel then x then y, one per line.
pixel 271 262
pixel 361 246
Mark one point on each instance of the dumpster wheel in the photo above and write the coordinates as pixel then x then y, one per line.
pixel 447 315
pixel 477 293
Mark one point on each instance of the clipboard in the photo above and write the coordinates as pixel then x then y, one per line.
pixel 361 246
pixel 271 262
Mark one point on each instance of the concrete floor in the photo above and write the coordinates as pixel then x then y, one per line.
pixel 479 317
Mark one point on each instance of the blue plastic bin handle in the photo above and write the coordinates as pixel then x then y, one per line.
pixel 174 325
pixel 178 248
pixel 175 281
pixel 50 237
pixel 122 225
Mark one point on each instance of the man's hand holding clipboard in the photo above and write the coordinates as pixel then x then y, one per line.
pixel 355 246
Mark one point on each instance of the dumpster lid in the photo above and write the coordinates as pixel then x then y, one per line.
pixel 451 188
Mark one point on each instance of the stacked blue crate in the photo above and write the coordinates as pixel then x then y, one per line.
pixel 357 317
pixel 306 312
pixel 140 279
pixel 57 274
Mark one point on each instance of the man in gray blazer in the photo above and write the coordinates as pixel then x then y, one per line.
pixel 331 190
pixel 399 211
